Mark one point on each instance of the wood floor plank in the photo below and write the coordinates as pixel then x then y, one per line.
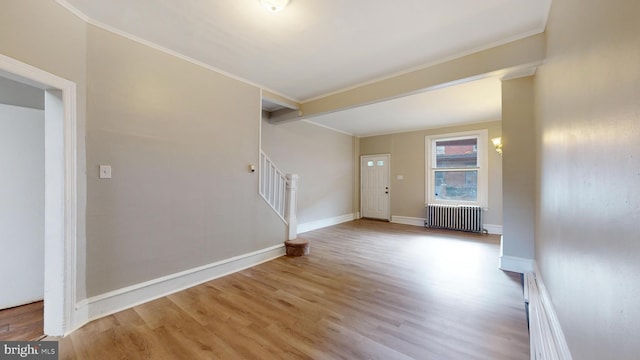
pixel 368 290
pixel 22 323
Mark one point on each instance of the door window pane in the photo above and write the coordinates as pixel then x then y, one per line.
pixel 369 163
pixel 380 163
pixel 456 185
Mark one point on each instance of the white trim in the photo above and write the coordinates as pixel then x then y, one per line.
pixel 515 264
pixel 74 11
pixel 406 220
pixel 547 338
pixel 130 296
pixel 61 191
pixel 482 152
pixel 493 229
pixel 319 224
pixel 163 49
pixel 527 71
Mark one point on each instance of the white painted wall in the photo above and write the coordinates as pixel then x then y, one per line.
pixel 21 205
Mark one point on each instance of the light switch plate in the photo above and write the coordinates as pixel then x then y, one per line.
pixel 105 171
pixel 399 177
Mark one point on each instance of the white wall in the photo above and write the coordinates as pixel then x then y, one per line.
pixel 588 139
pixel 21 205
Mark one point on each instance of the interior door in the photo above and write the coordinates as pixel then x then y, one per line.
pixel 374 186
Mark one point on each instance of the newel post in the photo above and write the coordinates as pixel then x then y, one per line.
pixel 292 205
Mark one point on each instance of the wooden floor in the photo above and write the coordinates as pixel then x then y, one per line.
pixel 368 290
pixel 22 323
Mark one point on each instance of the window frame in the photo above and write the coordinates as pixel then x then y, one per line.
pixel 482 167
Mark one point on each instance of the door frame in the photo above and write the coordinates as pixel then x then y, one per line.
pixel 388 156
pixel 61 192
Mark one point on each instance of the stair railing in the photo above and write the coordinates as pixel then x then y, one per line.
pixel 280 192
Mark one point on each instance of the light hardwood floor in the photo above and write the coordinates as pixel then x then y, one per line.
pixel 22 322
pixel 368 290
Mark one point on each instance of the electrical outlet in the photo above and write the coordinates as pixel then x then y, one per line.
pixel 105 171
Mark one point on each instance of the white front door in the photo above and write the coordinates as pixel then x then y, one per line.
pixel 374 192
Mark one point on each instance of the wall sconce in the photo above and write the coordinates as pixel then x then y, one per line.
pixel 497 142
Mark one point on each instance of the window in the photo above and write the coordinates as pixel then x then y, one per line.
pixel 456 168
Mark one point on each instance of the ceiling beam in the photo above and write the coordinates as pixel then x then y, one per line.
pixel 284 116
pixel 501 61
pixel 280 100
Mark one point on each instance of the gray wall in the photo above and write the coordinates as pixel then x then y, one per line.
pixel 324 160
pixel 408 160
pixel 518 168
pixel 179 138
pixel 47 36
pixel 18 94
pixel 588 213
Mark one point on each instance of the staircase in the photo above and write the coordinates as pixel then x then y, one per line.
pixel 280 192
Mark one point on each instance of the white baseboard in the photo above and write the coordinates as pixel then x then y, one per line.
pixel 515 264
pixel 406 220
pixel 319 224
pixel 546 335
pixel 493 229
pixel 121 299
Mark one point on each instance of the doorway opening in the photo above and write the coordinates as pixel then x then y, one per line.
pixel 21 210
pixel 61 191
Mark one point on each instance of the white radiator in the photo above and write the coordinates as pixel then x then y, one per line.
pixel 454 217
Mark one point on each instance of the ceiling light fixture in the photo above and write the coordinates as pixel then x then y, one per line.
pixel 274 5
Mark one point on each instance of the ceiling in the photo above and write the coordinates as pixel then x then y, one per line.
pixel 316 47
pixel 471 102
